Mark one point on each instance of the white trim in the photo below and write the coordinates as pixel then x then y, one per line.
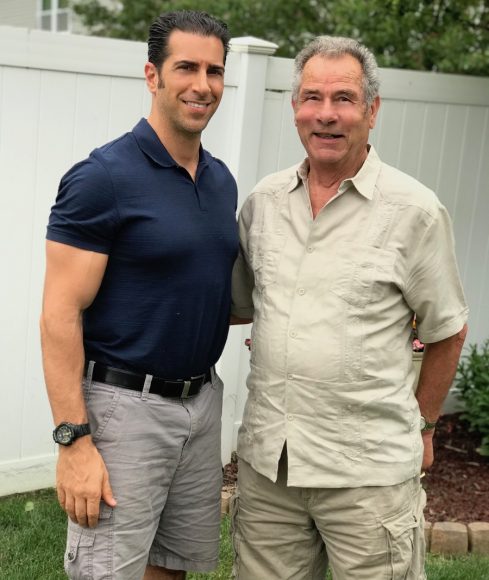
pixel 27 474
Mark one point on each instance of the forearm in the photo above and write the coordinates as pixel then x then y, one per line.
pixel 63 360
pixel 438 370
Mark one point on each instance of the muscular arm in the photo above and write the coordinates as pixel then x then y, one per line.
pixel 438 369
pixel 73 277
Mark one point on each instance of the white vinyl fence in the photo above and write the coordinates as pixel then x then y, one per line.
pixel 61 96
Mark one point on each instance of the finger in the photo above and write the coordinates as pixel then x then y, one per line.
pixel 93 510
pixel 107 494
pixel 81 512
pixel 69 508
pixel 60 492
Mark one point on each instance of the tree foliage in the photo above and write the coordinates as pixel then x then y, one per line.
pixel 441 35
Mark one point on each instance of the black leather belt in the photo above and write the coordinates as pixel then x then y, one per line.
pixel 181 388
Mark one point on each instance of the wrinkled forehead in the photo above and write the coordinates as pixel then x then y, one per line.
pixel 320 68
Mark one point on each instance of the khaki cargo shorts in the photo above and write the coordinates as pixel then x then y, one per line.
pixel 291 533
pixel 164 461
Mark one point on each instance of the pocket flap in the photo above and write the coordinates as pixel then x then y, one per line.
pixel 400 523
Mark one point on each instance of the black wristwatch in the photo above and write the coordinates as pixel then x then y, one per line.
pixel 66 433
pixel 426 425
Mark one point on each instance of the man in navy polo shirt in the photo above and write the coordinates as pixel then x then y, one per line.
pixel 141 243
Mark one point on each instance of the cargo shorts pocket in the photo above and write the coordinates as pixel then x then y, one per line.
pixel 400 529
pixel 78 560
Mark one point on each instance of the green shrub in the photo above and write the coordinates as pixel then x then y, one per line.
pixel 473 385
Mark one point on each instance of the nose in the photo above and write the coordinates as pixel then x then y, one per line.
pixel 201 83
pixel 327 113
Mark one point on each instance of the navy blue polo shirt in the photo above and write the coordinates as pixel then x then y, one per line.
pixel 164 302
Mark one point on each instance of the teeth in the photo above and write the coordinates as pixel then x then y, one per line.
pixel 196 105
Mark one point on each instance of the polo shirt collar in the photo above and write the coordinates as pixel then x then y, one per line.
pixel 150 144
pixel 364 181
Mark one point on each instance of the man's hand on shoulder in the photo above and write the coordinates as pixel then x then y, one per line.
pixel 82 481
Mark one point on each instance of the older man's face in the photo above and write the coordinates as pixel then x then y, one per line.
pixel 331 115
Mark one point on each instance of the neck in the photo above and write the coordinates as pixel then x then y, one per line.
pixel 183 147
pixel 330 176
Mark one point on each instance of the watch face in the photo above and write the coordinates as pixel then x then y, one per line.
pixel 64 434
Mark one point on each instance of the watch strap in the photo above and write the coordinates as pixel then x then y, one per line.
pixel 427 425
pixel 81 430
pixel 73 429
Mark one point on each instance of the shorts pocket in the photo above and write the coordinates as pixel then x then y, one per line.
pixel 78 560
pixel 101 406
pixel 400 529
pixel 79 554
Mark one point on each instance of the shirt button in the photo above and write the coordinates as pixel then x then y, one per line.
pixel 310 249
pixel 290 377
pixel 290 417
pixel 293 333
pixel 71 556
pixel 301 291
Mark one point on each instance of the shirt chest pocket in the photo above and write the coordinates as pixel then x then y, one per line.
pixel 264 251
pixel 363 274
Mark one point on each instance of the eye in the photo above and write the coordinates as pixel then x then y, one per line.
pixel 310 97
pixel 218 72
pixel 186 66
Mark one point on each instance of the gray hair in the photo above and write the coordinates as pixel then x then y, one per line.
pixel 333 47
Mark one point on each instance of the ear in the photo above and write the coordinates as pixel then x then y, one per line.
pixel 151 75
pixel 373 110
pixel 294 105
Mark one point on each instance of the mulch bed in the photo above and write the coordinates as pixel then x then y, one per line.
pixel 457 486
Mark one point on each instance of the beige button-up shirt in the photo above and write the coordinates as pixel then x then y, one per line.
pixel 333 299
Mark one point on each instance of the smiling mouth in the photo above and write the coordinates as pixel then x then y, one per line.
pixel 328 135
pixel 197 105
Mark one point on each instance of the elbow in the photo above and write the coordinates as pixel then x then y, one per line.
pixel 461 335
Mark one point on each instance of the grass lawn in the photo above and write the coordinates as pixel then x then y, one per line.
pixel 32 536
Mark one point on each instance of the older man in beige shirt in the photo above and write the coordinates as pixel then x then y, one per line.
pixel 337 255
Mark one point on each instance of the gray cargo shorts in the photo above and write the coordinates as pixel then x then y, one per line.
pixel 163 456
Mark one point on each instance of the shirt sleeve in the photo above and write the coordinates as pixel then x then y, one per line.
pixel 434 290
pixel 85 212
pixel 243 280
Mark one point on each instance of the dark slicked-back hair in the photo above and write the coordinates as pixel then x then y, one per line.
pixel 192 21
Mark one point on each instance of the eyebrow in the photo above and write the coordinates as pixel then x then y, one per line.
pixel 219 67
pixel 307 92
pixel 346 93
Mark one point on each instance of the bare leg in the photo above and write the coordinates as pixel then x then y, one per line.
pixel 158 573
